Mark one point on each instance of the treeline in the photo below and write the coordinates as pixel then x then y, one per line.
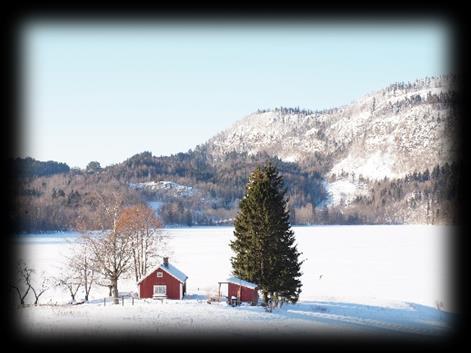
pixel 56 202
pixel 217 189
pixel 421 83
pixel 444 100
pixel 222 183
pixel 427 197
pixel 179 213
pixel 297 110
pixel 29 168
pixel 61 201
pixel 432 194
pixel 146 167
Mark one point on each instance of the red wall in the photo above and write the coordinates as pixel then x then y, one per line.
pixel 146 287
pixel 246 294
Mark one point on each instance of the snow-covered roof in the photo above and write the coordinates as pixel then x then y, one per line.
pixel 171 270
pixel 237 280
pixel 175 272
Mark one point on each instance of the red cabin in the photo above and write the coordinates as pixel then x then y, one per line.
pixel 164 281
pixel 244 291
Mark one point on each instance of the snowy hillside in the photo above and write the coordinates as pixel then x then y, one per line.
pixel 344 191
pixel 391 132
pixel 363 280
pixel 166 186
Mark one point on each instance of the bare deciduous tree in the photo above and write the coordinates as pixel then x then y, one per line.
pixel 143 228
pixel 22 280
pixel 81 264
pixel 112 257
pixel 111 249
pixel 71 282
pixel 40 287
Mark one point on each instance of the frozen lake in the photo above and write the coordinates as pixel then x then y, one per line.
pixel 361 264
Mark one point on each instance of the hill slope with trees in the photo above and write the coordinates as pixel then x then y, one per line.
pixel 388 158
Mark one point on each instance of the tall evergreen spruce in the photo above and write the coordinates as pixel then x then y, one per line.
pixel 264 247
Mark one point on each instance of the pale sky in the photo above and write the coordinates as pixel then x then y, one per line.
pixel 106 92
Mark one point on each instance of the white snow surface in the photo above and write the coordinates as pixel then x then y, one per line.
pixel 344 190
pixel 356 279
pixel 163 185
pixel 376 165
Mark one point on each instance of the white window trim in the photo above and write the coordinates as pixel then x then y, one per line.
pixel 160 274
pixel 160 286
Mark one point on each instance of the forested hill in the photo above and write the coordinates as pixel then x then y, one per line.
pixel 57 201
pixel 29 167
pixel 389 157
pixel 200 193
pixel 391 132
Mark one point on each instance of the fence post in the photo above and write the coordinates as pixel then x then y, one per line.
pixel 122 300
pixel 132 300
pixel 104 301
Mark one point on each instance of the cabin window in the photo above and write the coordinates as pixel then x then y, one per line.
pixel 160 290
pixel 160 274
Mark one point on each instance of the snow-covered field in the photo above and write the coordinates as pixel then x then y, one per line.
pixel 356 279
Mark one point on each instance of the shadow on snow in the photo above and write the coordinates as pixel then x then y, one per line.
pixel 410 319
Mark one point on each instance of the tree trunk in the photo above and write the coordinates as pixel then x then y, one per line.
pixel 22 298
pixel 136 264
pixel 87 291
pixel 114 290
pixel 265 297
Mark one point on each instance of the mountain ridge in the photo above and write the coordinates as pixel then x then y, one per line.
pixel 393 121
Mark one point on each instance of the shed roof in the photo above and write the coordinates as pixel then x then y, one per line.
pixel 237 280
pixel 171 270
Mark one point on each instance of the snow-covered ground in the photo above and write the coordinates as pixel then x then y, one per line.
pixel 344 191
pixel 163 185
pixel 196 316
pixel 356 279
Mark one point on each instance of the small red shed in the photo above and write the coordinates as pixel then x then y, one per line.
pixel 164 281
pixel 244 291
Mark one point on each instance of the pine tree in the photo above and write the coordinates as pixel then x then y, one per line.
pixel 265 252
